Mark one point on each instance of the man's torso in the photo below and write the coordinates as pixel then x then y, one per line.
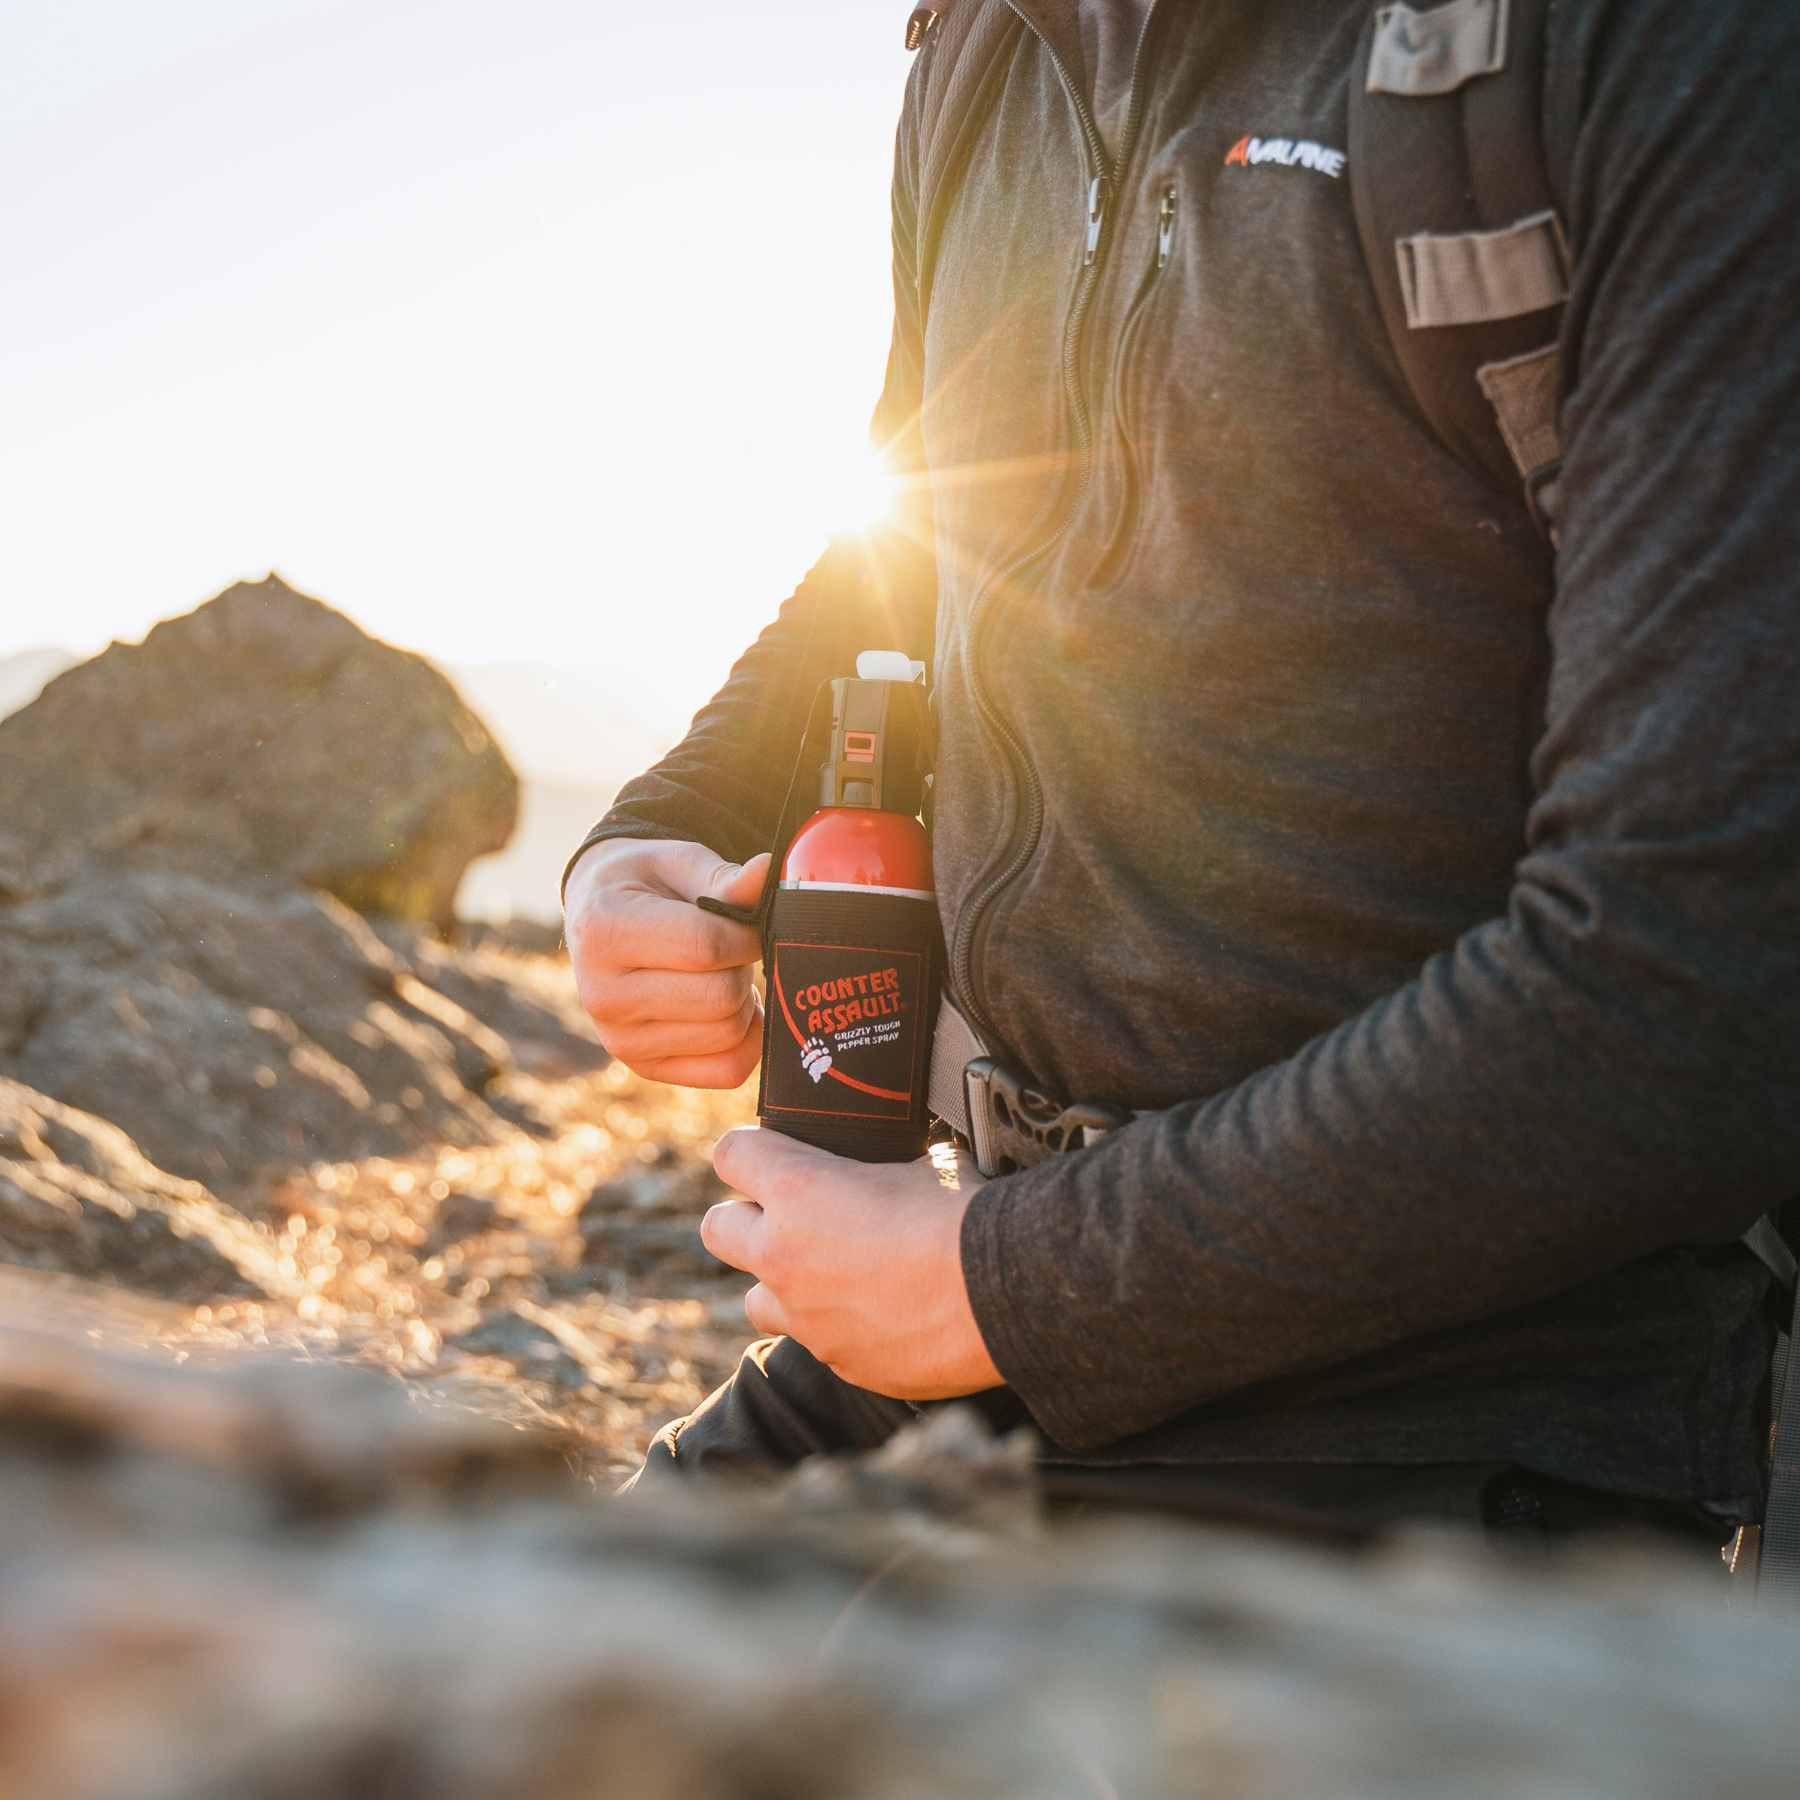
pixel 1238 676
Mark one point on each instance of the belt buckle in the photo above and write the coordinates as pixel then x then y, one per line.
pixel 1014 1124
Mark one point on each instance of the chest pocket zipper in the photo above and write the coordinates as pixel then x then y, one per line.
pixel 1118 545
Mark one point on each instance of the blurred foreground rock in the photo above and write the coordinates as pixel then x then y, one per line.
pixel 261 734
pixel 277 1582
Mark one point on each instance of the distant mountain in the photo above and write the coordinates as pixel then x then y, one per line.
pixel 575 741
pixel 524 880
pixel 24 675
pixel 563 726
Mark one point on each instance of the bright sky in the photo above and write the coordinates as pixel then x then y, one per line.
pixel 540 331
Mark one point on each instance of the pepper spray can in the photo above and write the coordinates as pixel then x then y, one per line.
pixel 852 948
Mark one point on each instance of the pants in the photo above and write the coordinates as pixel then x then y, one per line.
pixel 783 1405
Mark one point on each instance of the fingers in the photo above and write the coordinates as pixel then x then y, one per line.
pixel 690 1026
pixel 636 928
pixel 745 886
pixel 766 1313
pixel 724 1069
pixel 668 997
pixel 667 985
pixel 793 1203
pixel 630 905
pixel 736 1232
pixel 766 1164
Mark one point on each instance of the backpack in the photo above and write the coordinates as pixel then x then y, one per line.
pixel 1461 132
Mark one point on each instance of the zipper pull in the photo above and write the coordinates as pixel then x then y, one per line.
pixel 1165 228
pixel 1096 218
pixel 922 23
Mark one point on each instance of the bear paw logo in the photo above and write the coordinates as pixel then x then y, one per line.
pixel 815 1059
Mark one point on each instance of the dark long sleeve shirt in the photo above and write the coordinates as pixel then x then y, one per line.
pixel 1441 898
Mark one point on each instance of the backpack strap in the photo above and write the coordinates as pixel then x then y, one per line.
pixel 1777 1556
pixel 1460 223
pixel 1778 1574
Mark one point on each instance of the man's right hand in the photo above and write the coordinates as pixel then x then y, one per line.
pixel 667 985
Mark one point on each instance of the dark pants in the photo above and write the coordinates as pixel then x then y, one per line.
pixel 783 1406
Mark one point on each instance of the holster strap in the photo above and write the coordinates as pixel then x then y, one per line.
pixel 1008 1119
pixel 954 1046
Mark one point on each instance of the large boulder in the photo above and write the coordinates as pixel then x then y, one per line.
pixel 262 733
pixel 236 1031
pixel 25 674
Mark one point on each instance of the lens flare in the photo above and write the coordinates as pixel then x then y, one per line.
pixel 856 492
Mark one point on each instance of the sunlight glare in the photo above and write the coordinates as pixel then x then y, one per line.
pixel 855 492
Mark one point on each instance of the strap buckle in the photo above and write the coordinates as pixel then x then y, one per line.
pixel 1016 1125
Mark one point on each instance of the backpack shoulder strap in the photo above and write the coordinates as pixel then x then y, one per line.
pixel 1778 1577
pixel 1458 211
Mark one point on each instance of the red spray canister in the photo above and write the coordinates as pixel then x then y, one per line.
pixel 852 947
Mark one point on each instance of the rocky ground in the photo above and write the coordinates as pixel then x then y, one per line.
pixel 556 1275
pixel 551 1268
pixel 342 1276
pixel 251 1081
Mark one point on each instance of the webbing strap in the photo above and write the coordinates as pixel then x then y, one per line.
pixel 1436 51
pixel 1778 1575
pixel 1764 1241
pixel 1522 392
pixel 954 1046
pixel 1440 181
pixel 1475 277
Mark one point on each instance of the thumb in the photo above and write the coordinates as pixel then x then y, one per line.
pixel 739 884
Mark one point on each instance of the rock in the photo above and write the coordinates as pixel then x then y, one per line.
pixel 524 937
pixel 527 1001
pixel 26 673
pixel 458 1217
pixel 78 1197
pixel 536 1351
pixel 642 1229
pixel 650 1254
pixel 268 1581
pixel 234 1030
pixel 262 734
pixel 668 1186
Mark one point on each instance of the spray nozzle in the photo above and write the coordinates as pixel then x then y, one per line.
pixel 878 754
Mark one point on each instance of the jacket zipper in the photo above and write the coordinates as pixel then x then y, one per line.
pixel 1103 180
pixel 1166 214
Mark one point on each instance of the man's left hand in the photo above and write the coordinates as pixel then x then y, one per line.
pixel 860 1262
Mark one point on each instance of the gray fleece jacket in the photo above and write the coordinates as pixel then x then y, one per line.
pixel 1441 898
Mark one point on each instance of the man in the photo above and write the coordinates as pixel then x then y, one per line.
pixel 1434 896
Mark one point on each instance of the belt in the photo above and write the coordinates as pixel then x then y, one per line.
pixel 1008 1119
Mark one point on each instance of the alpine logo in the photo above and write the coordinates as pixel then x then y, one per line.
pixel 1287 153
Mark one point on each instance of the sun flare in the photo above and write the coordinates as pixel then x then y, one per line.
pixel 855 491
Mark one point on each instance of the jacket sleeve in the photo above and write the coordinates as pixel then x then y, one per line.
pixel 723 784
pixel 1613 1067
